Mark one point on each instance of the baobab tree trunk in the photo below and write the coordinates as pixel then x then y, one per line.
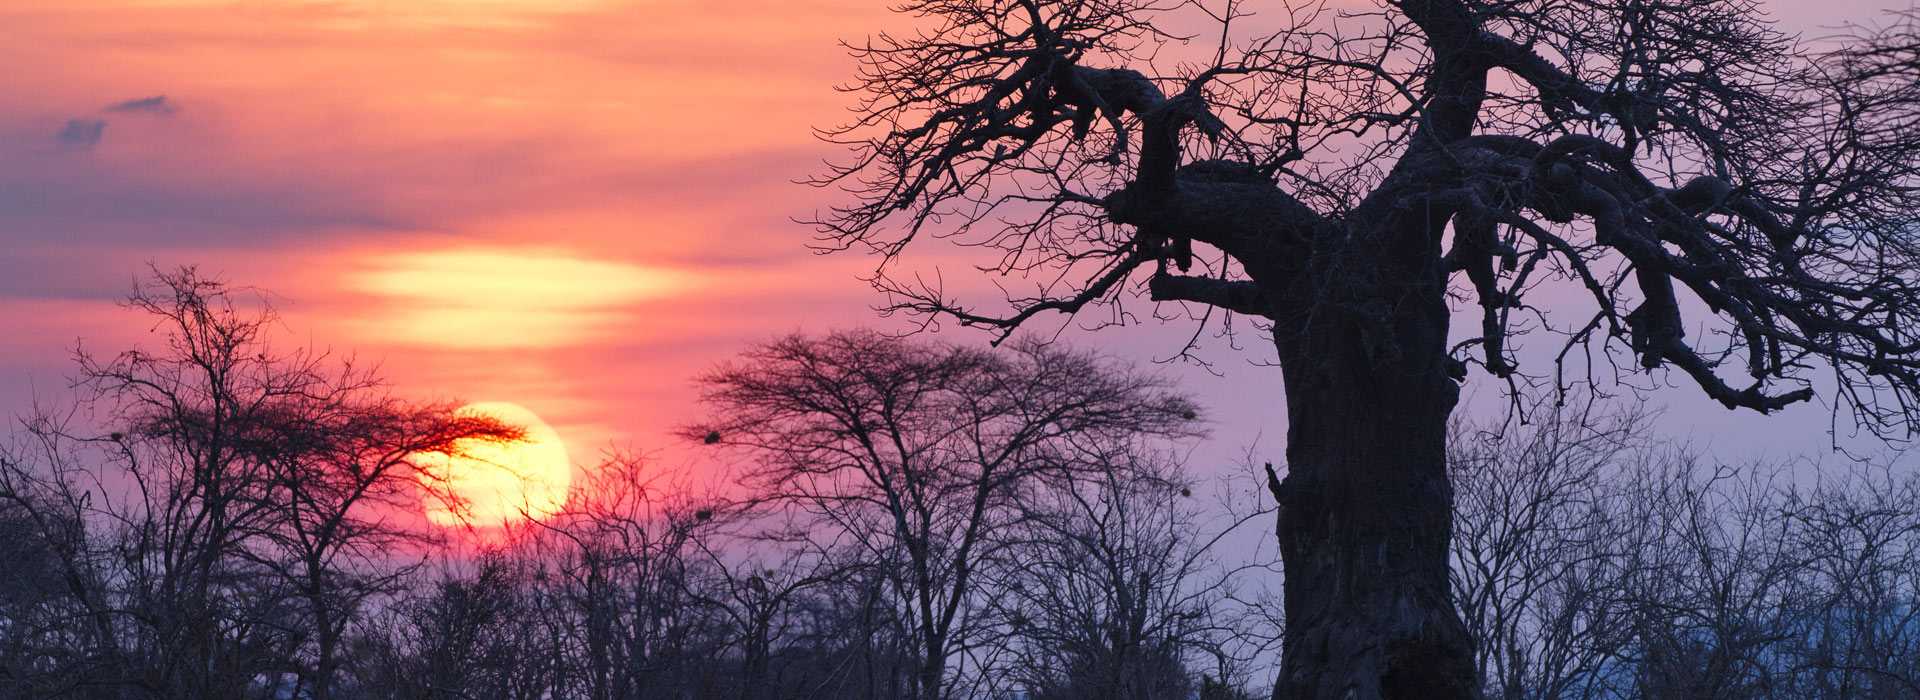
pixel 1365 508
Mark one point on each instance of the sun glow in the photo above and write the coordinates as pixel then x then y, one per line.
pixel 492 299
pixel 493 484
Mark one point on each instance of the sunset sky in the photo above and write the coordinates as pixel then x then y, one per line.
pixel 572 205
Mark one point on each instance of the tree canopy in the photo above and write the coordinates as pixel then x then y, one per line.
pixel 1684 164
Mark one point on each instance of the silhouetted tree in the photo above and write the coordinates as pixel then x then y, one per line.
pixel 911 456
pixel 49 639
pixel 1539 553
pixel 230 514
pixel 1109 588
pixel 1331 172
pixel 1592 561
pixel 628 564
pixel 466 634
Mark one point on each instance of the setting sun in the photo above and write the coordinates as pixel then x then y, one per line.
pixel 496 483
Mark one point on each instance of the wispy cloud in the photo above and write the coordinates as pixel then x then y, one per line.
pixel 81 134
pixel 156 105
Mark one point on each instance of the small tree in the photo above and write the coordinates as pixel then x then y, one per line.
pixel 1109 589
pixel 909 456
pixel 1537 550
pixel 626 562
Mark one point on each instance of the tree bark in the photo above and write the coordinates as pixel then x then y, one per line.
pixel 1365 508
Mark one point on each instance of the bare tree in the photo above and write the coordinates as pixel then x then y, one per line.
pixel 342 458
pixel 1110 589
pixel 229 518
pixel 628 560
pixel 471 632
pixel 56 634
pixel 1329 178
pixel 1859 585
pixel 911 455
pixel 642 586
pixel 1538 549
pixel 756 586
pixel 1593 561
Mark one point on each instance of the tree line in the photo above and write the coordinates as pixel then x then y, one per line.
pixel 910 520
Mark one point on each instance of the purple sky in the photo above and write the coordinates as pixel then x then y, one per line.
pixel 568 205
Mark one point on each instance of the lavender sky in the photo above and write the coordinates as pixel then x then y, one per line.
pixel 572 205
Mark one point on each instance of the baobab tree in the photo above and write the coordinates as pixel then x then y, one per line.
pixel 1334 174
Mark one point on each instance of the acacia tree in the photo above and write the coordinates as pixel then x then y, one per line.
pixel 1670 161
pixel 342 458
pixel 232 513
pixel 908 457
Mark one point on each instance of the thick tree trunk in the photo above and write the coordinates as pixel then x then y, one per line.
pixel 1365 508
